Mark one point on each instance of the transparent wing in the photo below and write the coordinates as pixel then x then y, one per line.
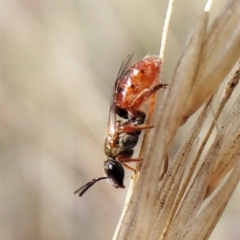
pixel 124 66
pixel 112 112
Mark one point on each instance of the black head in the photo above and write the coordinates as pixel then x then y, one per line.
pixel 114 172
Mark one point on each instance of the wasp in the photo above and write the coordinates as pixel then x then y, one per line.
pixel 133 86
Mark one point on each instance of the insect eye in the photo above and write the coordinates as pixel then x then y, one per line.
pixel 114 172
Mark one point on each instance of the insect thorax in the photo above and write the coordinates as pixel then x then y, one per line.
pixel 125 142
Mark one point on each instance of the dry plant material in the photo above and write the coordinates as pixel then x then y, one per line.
pixel 172 209
pixel 220 52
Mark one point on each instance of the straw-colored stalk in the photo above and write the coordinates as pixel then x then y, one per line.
pixel 172 208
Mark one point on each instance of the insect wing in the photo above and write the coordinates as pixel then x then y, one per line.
pixel 112 112
pixel 124 67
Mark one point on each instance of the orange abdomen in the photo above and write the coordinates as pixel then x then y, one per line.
pixel 139 77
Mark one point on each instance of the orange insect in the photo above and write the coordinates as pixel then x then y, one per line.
pixel 133 86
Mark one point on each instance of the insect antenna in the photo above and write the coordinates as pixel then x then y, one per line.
pixel 80 191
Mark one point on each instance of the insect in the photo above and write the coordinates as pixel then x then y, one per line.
pixel 133 86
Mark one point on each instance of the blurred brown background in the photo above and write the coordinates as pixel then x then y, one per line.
pixel 59 60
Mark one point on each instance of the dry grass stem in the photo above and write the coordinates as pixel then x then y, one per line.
pixel 230 150
pixel 192 202
pixel 220 53
pixel 179 163
pixel 172 209
pixel 209 216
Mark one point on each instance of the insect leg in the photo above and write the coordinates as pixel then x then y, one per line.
pixel 129 128
pixel 145 94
